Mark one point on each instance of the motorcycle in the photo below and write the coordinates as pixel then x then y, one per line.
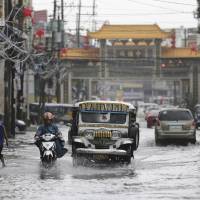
pixel 48 149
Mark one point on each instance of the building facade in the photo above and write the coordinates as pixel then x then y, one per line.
pixel 131 55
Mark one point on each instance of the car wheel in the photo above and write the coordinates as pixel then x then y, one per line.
pixel 157 141
pixel 127 160
pixel 193 141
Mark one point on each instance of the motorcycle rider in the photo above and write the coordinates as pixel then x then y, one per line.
pixel 50 127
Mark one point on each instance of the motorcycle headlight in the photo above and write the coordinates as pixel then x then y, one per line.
pixel 116 134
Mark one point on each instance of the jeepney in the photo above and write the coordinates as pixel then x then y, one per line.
pixel 104 131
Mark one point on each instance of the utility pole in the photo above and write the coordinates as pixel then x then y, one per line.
pixel 78 22
pixel 185 36
pixel 54 9
pixel 58 40
pixel 62 10
pixel 62 20
pixel 93 14
pixel 59 36
pixel 20 98
pixel 9 76
pixel 197 15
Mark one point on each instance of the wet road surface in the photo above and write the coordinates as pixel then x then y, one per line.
pixel 165 172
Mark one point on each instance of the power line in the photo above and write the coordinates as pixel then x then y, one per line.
pixel 177 3
pixel 146 4
pixel 142 14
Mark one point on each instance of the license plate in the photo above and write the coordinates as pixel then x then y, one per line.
pixel 100 157
pixel 175 127
pixel 100 141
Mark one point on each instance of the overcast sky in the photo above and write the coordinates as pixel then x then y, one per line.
pixel 165 13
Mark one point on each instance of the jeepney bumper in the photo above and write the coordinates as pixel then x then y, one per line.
pixel 114 147
pixel 115 152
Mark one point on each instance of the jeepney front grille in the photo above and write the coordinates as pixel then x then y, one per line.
pixel 103 134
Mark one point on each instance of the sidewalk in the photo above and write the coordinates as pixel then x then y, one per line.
pixel 31 128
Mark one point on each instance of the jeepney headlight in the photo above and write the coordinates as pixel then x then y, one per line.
pixel 88 134
pixel 116 134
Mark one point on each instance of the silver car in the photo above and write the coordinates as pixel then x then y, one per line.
pixel 175 123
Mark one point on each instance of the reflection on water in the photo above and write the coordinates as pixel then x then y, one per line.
pixel 53 172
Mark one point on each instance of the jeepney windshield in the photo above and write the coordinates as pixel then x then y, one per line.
pixel 104 117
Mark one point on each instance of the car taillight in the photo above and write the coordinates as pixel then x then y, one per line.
pixel 189 126
pixel 194 124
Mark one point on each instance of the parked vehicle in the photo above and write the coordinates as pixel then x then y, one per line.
pixel 197 119
pixel 175 123
pixel 20 125
pixel 104 131
pixel 62 112
pixel 151 118
pixel 197 115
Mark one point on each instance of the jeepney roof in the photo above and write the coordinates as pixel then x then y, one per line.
pixel 130 106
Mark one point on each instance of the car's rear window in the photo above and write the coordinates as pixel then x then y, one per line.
pixel 174 115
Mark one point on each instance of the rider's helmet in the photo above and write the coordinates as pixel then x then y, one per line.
pixel 48 117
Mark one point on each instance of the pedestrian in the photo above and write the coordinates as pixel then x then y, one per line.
pixel 3 135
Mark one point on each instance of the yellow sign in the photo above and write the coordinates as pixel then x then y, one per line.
pixel 109 107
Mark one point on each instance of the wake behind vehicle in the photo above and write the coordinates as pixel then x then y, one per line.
pixel 104 131
pixel 48 149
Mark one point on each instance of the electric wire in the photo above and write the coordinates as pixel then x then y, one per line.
pixel 177 3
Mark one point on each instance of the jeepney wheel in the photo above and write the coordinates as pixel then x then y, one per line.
pixel 70 137
pixel 126 160
pixel 130 154
pixel 136 138
pixel 128 148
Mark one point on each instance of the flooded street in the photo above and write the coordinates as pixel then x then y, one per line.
pixel 158 172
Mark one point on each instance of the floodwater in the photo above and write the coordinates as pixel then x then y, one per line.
pixel 167 172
